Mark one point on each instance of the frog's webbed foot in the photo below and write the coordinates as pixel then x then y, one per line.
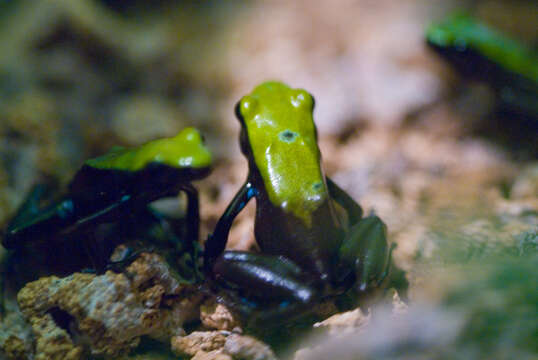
pixel 278 285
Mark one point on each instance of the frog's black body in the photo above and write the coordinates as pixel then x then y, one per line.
pixel 295 239
pixel 291 262
pixel 97 196
pixel 312 265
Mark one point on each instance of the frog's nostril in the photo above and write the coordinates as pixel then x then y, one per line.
pixel 317 186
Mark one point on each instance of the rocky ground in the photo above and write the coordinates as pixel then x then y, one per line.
pixel 400 131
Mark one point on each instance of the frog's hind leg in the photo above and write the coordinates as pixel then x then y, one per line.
pixel 365 251
pixel 274 282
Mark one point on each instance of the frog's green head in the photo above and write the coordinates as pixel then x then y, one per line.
pixel 278 136
pixel 185 151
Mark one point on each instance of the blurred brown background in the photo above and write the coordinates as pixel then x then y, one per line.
pixel 400 130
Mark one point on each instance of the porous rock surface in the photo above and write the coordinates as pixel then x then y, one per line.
pixel 221 345
pixel 217 316
pixel 110 312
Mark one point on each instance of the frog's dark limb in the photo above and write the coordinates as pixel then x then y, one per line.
pixel 365 250
pixel 216 243
pixel 182 235
pixel 193 214
pixel 268 279
pixel 353 210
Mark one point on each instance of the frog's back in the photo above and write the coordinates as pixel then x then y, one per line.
pixel 151 167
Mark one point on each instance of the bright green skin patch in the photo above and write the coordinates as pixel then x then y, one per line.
pixel 185 150
pixel 464 31
pixel 282 136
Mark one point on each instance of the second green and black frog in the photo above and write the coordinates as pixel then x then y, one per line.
pixel 107 202
pixel 483 53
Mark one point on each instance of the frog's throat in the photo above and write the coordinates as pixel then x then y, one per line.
pixel 185 150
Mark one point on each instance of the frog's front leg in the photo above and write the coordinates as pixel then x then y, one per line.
pixel 365 246
pixel 365 252
pixel 193 212
pixel 185 243
pixel 216 242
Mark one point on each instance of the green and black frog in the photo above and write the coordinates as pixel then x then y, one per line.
pixel 109 200
pixel 314 242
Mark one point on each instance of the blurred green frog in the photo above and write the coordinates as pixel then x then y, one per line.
pixel 483 53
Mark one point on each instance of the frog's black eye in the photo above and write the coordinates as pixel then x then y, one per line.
pixel 237 111
pixel 313 104
pixel 203 138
